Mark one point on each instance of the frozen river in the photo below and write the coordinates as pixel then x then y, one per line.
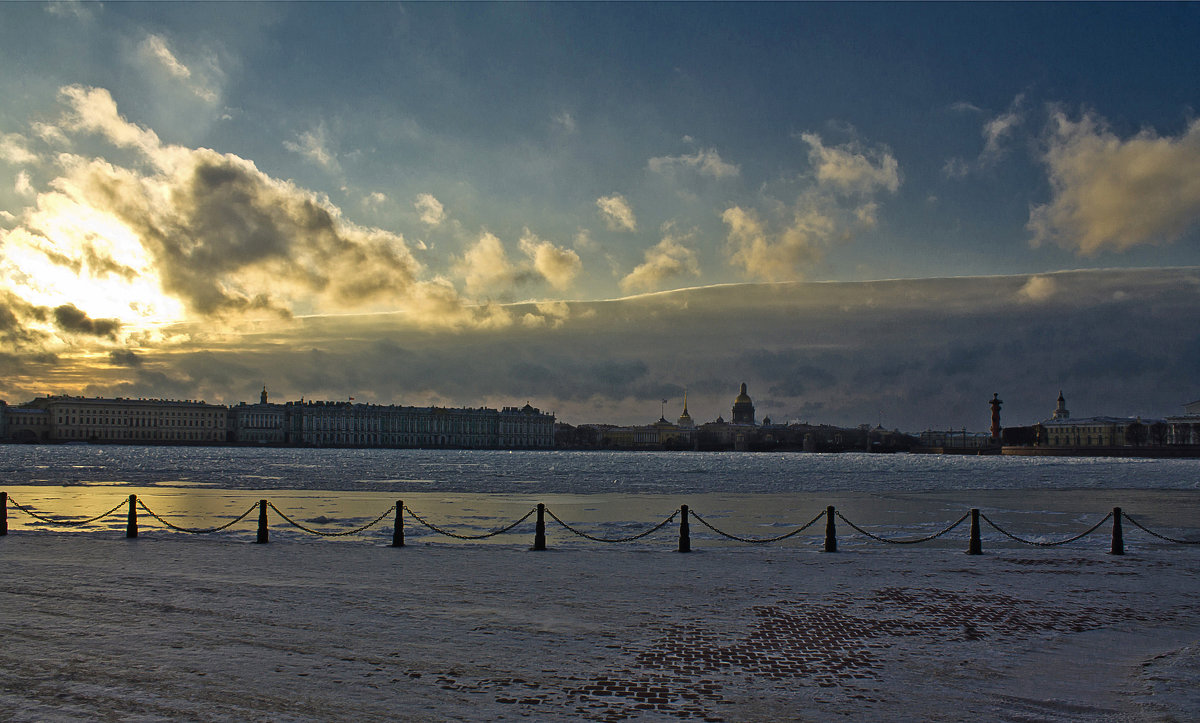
pixel 206 627
pixel 608 494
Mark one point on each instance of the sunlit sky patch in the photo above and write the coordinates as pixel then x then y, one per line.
pixel 192 188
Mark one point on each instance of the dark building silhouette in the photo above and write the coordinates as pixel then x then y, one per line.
pixel 743 408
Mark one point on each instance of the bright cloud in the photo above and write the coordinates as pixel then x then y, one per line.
pixel 850 168
pixel 485 266
pixel 182 233
pixel 558 266
pixel 617 213
pixel 760 254
pixel 667 260
pixel 13 149
pixel 23 185
pixel 1038 289
pixel 431 211
pixel 314 145
pixel 704 162
pixel 997 130
pixel 839 201
pixel 1110 194
pixel 154 49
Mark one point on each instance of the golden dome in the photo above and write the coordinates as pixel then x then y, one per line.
pixel 743 398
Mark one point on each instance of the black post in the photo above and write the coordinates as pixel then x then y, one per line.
pixel 539 535
pixel 1118 539
pixel 830 530
pixel 685 537
pixel 3 514
pixel 131 525
pixel 975 547
pixel 263 538
pixel 398 530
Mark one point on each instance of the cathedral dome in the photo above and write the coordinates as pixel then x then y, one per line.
pixel 743 408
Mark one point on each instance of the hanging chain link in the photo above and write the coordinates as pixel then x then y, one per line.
pixel 749 540
pixel 1023 541
pixel 593 538
pixel 311 531
pixel 877 538
pixel 65 523
pixel 1138 525
pixel 196 530
pixel 447 533
pixel 755 540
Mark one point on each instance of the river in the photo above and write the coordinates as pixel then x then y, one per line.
pixel 608 494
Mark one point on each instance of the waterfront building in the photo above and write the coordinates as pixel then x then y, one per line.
pixel 660 435
pixel 525 427
pixel 120 420
pixel 951 441
pixel 22 424
pixel 1185 430
pixel 261 423
pixel 1063 431
pixel 345 424
pixel 1060 412
pixel 1103 435
pixel 313 424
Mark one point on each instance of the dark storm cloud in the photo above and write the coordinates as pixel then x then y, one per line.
pixel 795 371
pixel 71 319
pixel 125 358
pixel 235 240
pixel 16 315
pixel 912 355
pixel 224 237
pixel 962 358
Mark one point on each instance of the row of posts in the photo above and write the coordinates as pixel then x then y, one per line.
pixel 974 545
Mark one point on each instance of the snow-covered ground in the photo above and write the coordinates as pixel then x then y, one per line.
pixel 168 627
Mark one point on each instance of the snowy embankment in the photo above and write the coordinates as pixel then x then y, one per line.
pixel 172 628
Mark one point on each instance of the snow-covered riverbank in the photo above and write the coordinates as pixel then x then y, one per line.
pixel 178 628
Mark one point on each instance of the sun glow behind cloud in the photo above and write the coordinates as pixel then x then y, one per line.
pixel 256 208
pixel 68 252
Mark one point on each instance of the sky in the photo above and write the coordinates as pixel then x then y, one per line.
pixel 870 213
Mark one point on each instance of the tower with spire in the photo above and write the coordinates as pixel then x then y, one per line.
pixel 1060 412
pixel 685 419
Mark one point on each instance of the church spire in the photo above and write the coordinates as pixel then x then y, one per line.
pixel 685 419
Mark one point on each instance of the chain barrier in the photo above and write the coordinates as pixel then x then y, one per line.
pixel 64 523
pixel 311 531
pixel 1138 525
pixel 877 538
pixel 484 536
pixel 1023 541
pixel 196 530
pixel 499 531
pixel 755 540
pixel 593 538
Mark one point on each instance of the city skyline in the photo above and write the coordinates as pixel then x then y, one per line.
pixel 869 213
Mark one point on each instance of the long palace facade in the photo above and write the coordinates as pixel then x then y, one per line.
pixel 295 424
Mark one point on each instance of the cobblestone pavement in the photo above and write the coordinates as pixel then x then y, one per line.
pixel 834 650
